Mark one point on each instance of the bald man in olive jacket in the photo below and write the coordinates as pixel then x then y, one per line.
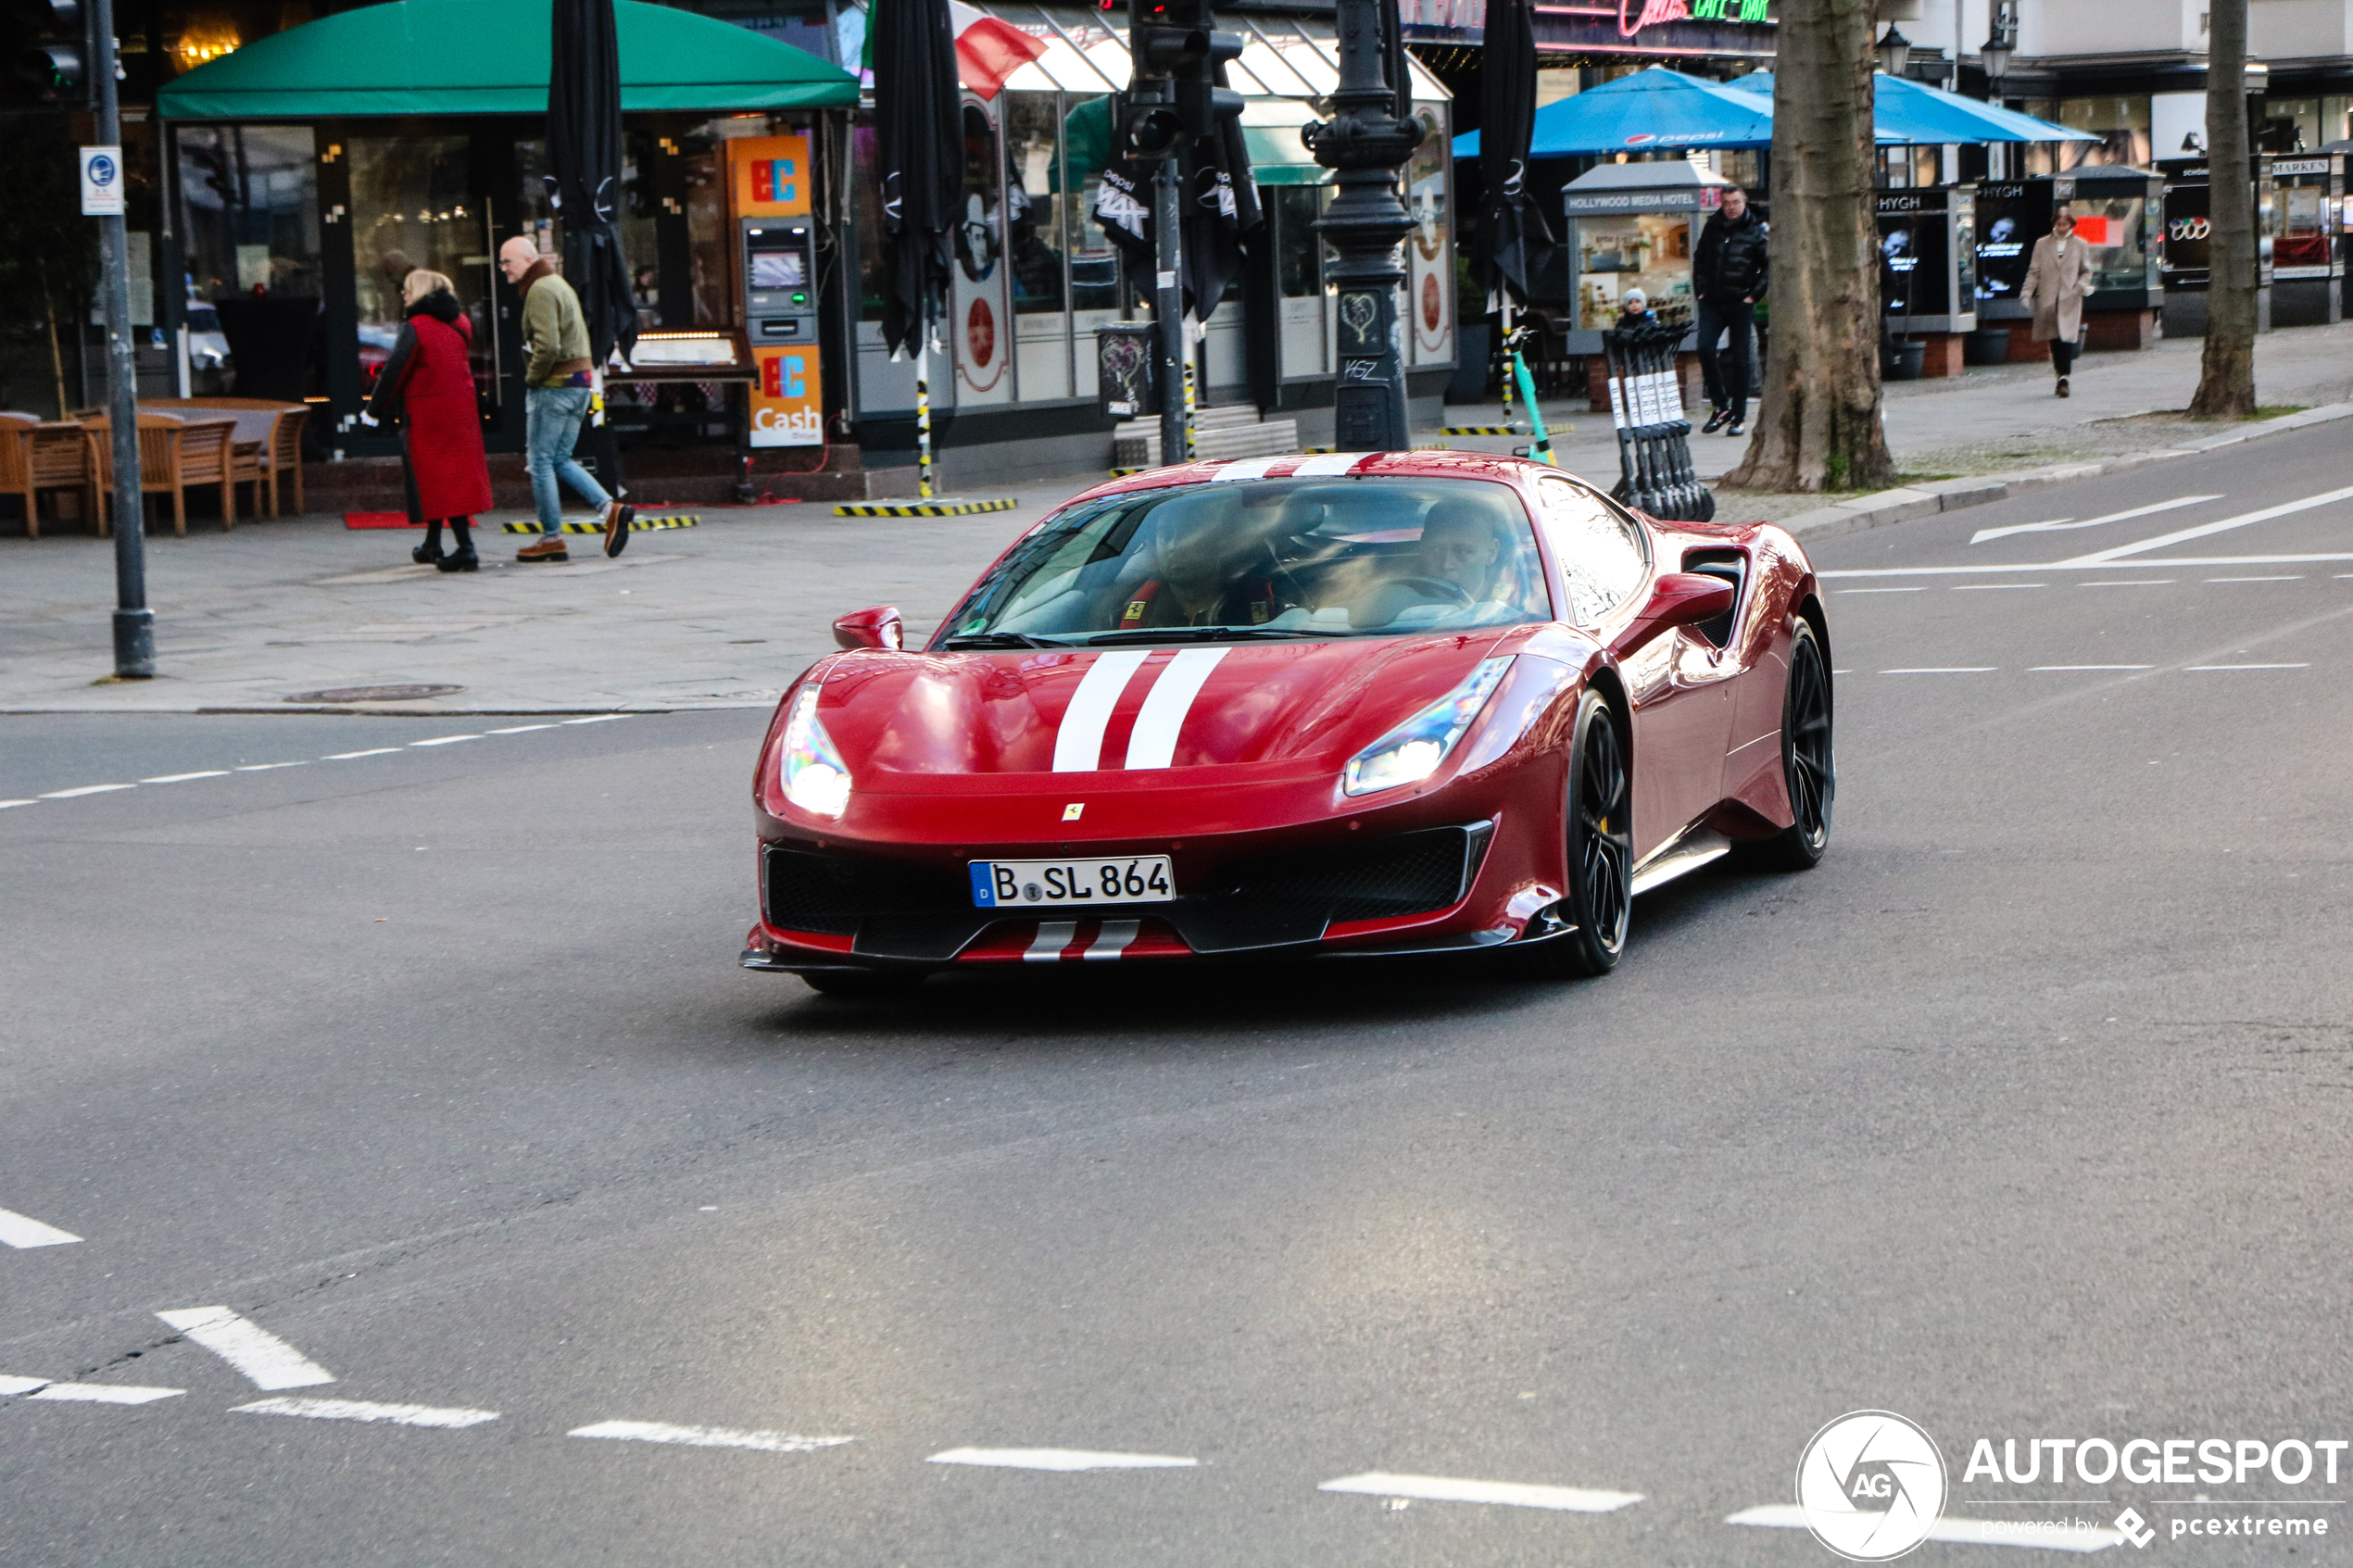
pixel 557 395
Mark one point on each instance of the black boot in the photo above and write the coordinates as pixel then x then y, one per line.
pixel 428 553
pixel 461 560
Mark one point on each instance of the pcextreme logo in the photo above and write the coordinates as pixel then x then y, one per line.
pixel 1870 1485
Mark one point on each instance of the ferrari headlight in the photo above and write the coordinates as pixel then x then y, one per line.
pixel 814 775
pixel 1413 751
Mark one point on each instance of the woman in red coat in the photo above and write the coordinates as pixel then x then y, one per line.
pixel 429 383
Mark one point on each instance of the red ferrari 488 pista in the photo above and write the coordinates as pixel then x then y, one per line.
pixel 1341 704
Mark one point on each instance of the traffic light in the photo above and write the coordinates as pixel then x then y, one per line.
pixel 1147 130
pixel 56 60
pixel 1177 41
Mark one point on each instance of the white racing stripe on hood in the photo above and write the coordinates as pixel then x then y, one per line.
pixel 1326 463
pixel 1249 468
pixel 1079 745
pixel 1153 742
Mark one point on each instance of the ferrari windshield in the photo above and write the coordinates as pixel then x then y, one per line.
pixel 1277 558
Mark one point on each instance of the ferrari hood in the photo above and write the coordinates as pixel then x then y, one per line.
pixel 1268 708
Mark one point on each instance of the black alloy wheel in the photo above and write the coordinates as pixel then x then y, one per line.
pixel 1600 832
pixel 1809 766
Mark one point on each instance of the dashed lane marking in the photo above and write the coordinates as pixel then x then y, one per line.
pixel 1994 587
pixel 24 1230
pixel 2133 582
pixel 183 778
pixel 1880 590
pixel 264 1358
pixel 2209 667
pixel 84 1393
pixel 706 1437
pixel 1946 669
pixel 521 729
pixel 362 1410
pixel 85 789
pixel 268 767
pixel 372 751
pixel 444 740
pixel 1513 1493
pixel 1969 1532
pixel 6 804
pixel 2039 669
pixel 2291 577
pixel 1060 1458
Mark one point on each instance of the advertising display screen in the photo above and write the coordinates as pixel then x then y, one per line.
pixel 2011 215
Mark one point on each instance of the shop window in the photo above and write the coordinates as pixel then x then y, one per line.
pixel 710 273
pixel 1648 251
pixel 865 178
pixel 2123 125
pixel 640 221
pixel 1094 260
pixel 1033 217
pixel 412 206
pixel 1294 214
pixel 249 205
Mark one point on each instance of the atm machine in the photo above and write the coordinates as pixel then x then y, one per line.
pixel 770 183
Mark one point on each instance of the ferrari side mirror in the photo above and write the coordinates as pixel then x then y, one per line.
pixel 1686 598
pixel 878 627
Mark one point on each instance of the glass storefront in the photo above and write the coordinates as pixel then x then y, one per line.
pixel 413 206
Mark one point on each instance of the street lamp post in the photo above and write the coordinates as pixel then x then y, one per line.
pixel 134 627
pixel 1370 136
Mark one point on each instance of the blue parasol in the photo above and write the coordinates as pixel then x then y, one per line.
pixel 1907 114
pixel 1651 108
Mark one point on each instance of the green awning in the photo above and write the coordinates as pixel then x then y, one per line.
pixel 1278 158
pixel 491 56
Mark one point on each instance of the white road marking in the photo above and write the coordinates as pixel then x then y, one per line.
pixel 1443 1488
pixel 23 1231
pixel 183 778
pixel 6 804
pixel 444 740
pixel 1883 590
pixel 2291 577
pixel 2070 524
pixel 2036 668
pixel 1053 935
pixel 2327 497
pixel 1113 939
pixel 2187 667
pixel 2132 583
pixel 521 729
pixel 1946 669
pixel 264 1358
pixel 1153 744
pixel 1079 745
pixel 85 789
pixel 1992 588
pixel 362 1409
pixel 706 1437
pixel 1060 1458
pixel 602 718
pixel 85 1393
pixel 2081 563
pixel 266 767
pixel 1974 1532
pixel 348 756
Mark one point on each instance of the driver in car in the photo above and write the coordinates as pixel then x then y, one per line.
pixel 1216 566
pixel 1457 566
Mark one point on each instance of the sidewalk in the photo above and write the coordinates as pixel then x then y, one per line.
pixel 726 613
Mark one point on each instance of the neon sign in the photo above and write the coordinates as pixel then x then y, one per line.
pixel 1656 11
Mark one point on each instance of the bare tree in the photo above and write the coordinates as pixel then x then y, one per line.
pixel 1819 428
pixel 2226 369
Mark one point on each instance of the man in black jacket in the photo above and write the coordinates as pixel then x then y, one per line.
pixel 1727 274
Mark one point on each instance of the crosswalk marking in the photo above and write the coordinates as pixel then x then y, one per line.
pixel 24 1230
pixel 1060 1458
pixel 705 1436
pixel 1511 1494
pixel 264 1358
pixel 362 1410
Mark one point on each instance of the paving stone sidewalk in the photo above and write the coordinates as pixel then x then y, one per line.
pixel 726 613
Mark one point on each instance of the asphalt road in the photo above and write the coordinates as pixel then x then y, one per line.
pixel 2024 1115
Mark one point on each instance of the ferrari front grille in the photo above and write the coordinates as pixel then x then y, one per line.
pixel 832 894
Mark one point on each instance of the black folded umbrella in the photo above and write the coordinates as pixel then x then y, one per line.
pixel 584 151
pixel 920 146
pixel 1512 239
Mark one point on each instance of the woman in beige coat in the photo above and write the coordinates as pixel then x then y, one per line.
pixel 2058 282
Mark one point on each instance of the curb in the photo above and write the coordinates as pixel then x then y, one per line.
pixel 1951 494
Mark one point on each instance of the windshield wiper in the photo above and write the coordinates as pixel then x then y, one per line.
pixel 1000 640
pixel 1207 634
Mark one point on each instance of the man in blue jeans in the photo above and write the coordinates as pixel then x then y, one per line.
pixel 557 396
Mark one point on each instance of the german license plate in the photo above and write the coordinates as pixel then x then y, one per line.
pixel 1126 879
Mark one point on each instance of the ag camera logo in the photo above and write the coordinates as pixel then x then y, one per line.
pixel 1870 1485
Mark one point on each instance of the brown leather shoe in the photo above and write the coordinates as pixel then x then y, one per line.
pixel 549 548
pixel 617 521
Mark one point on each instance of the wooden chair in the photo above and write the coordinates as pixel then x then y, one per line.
pixel 37 455
pixel 280 438
pixel 175 452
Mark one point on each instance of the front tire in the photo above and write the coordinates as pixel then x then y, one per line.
pixel 1809 764
pixel 1600 836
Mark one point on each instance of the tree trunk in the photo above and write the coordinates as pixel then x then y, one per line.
pixel 1819 428
pixel 2226 369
